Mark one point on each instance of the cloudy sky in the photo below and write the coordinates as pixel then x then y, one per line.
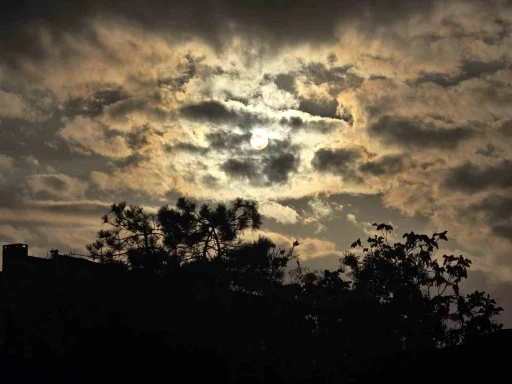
pixel 375 111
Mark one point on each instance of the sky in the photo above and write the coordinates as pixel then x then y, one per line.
pixel 375 111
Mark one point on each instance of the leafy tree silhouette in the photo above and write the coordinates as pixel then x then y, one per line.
pixel 415 297
pixel 390 298
pixel 257 267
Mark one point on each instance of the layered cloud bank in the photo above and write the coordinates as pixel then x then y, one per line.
pixel 408 102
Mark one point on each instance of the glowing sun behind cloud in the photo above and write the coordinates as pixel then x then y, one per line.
pixel 259 140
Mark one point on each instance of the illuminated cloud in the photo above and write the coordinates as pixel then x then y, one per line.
pixel 320 212
pixel 281 213
pixel 6 162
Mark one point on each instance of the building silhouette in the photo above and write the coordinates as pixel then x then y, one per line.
pixel 13 250
pixel 17 249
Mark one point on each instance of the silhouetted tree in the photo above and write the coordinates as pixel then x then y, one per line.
pixel 387 299
pixel 418 301
pixel 134 238
pixel 232 298
pixel 209 232
pixel 174 235
pixel 257 267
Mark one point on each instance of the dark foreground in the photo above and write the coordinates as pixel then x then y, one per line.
pixel 72 321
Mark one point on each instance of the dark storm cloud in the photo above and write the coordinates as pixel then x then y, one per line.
pixel 495 207
pixel 265 171
pixel 479 68
pixel 345 115
pixel 74 208
pixel 506 128
pixel 93 105
pixel 441 79
pixel 338 161
pixel 497 212
pixel 138 137
pixel 286 21
pixel 319 73
pixel 209 111
pixel 410 133
pixel 377 77
pixel 336 77
pixel 210 181
pixel 177 83
pixel 286 82
pixel 503 230
pixel 489 151
pixel 320 108
pixel 277 146
pixel 246 168
pixel 386 165
pixel 328 160
pixel 505 29
pixel 120 109
pixel 293 122
pixel 226 140
pixel 270 166
pixel 277 168
pixel 467 70
pixel 55 183
pixel 498 89
pixel 470 178
pixel 215 112
pixel 132 160
pixel 186 147
pixel 428 164
pixel 322 126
